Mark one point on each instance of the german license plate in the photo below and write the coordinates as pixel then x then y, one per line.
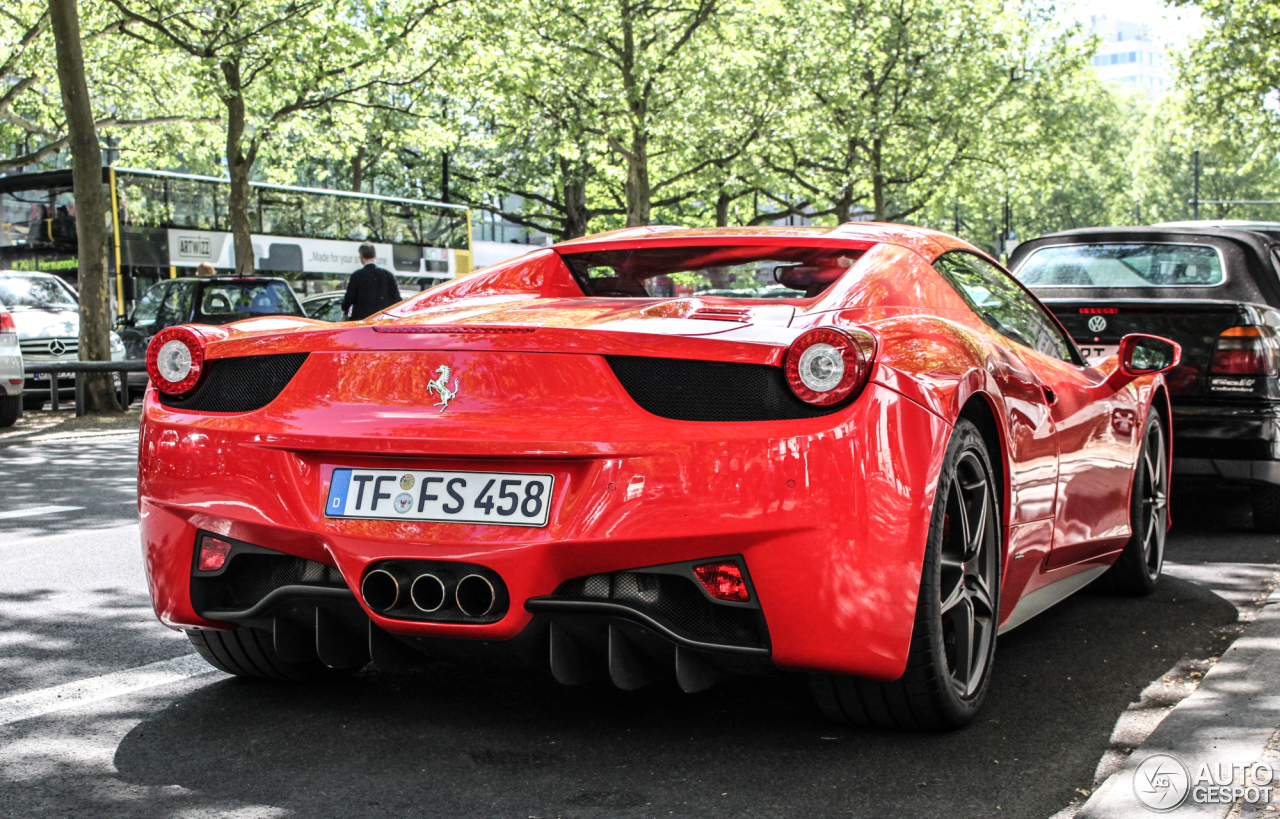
pixel 499 498
pixel 1095 354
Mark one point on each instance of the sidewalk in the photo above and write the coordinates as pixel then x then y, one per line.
pixel 34 427
pixel 1232 718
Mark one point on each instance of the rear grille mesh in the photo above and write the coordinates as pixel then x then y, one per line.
pixel 688 390
pixel 251 577
pixel 240 384
pixel 676 602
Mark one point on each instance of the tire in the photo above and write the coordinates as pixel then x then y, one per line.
pixel 33 403
pixel 961 576
pixel 1137 569
pixel 10 410
pixel 250 652
pixel 1266 508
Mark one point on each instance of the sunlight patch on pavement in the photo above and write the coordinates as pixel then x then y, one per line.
pixel 38 510
pixel 95 689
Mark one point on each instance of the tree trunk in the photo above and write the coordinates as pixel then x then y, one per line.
pixel 239 165
pixel 575 209
pixel 877 179
pixel 722 209
pixel 638 181
pixel 844 205
pixel 91 206
pixel 357 170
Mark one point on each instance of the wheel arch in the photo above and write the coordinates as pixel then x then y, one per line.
pixel 980 409
pixel 1160 403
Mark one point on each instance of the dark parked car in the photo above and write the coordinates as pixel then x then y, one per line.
pixel 328 306
pixel 325 307
pixel 205 300
pixel 1213 289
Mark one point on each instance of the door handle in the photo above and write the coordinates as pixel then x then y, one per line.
pixel 1050 397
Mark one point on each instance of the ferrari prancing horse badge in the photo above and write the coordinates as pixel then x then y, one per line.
pixel 440 386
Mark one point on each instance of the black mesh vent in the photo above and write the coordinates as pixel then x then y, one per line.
pixel 240 384
pixel 675 601
pixel 251 577
pixel 687 390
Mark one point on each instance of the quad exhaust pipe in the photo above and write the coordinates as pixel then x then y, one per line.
pixel 431 591
pixel 389 588
pixel 476 595
pixel 384 589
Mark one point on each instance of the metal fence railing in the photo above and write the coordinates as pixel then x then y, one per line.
pixel 78 369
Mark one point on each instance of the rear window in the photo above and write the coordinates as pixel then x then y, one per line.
pixel 36 291
pixel 1129 266
pixel 224 302
pixel 734 272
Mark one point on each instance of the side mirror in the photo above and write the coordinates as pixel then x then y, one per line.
pixel 123 321
pixel 1147 355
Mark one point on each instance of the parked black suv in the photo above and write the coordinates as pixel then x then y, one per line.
pixel 1214 290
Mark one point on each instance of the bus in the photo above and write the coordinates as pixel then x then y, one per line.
pixel 164 225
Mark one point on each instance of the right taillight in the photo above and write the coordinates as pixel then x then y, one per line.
pixel 1245 350
pixel 175 360
pixel 6 323
pixel 828 365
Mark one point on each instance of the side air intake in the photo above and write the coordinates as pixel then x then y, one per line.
pixel 240 384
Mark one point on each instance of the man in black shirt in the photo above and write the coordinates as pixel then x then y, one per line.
pixel 371 289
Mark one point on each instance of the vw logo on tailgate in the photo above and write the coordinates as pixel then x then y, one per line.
pixel 1097 324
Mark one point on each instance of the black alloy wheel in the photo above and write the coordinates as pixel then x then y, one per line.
pixel 1138 567
pixel 970 569
pixel 953 640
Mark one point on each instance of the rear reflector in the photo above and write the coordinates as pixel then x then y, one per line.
pixel 723 581
pixel 213 554
pixel 1245 350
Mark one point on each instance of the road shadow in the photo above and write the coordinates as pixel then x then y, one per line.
pixel 99 475
pixel 49 637
pixel 1213 523
pixel 452 742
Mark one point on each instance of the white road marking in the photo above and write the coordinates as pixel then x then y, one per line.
pixel 38 510
pixel 73 436
pixel 96 689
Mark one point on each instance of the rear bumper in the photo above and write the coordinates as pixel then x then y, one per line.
pixel 829 515
pixel 1227 443
pixel 1238 433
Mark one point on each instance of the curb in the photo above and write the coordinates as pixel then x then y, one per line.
pixel 1231 718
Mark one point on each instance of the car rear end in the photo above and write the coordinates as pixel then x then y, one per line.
pixel 11 375
pixel 638 478
pixel 1214 292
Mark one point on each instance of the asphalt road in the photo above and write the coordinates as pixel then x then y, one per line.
pixel 447 741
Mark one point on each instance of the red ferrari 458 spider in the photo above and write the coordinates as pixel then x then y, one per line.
pixel 858 452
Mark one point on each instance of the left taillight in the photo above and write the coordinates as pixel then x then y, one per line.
pixel 175 360
pixel 6 323
pixel 828 365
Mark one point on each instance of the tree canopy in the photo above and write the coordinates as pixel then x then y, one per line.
pixel 572 116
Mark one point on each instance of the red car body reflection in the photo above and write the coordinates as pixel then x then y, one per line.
pixel 828 515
